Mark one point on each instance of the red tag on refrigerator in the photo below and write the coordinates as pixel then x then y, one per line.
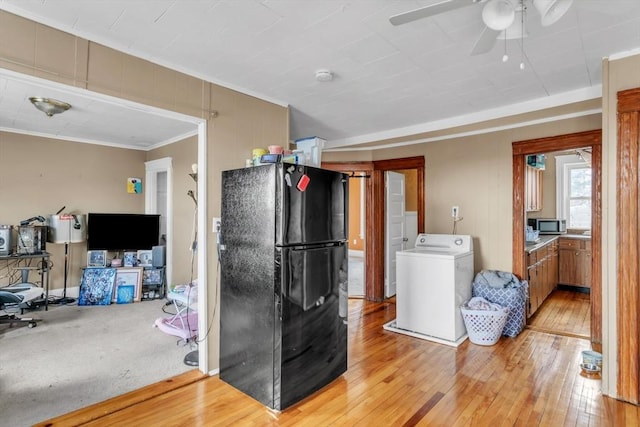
pixel 303 182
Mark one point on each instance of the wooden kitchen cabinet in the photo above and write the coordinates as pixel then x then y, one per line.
pixel 534 289
pixel 554 266
pixel 542 271
pixel 533 189
pixel 575 262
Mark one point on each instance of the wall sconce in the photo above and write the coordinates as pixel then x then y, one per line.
pixel 194 170
pixel 49 106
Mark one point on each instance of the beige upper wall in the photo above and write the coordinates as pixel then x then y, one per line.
pixel 475 173
pixel 41 175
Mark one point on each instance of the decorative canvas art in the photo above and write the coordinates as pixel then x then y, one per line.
pixel 125 294
pixel 130 276
pixel 130 259
pixel 96 286
pixel 134 185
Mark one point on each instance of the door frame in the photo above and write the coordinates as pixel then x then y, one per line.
pixel 152 169
pixel 374 218
pixel 520 149
pixel 628 245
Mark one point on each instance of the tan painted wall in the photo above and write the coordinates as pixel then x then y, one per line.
pixel 40 176
pixel 617 75
pixel 475 173
pixel 244 122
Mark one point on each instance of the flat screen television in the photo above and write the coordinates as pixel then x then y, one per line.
pixel 122 231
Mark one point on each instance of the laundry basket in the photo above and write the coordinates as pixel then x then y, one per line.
pixel 512 293
pixel 484 326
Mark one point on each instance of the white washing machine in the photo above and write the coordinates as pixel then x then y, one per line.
pixel 432 281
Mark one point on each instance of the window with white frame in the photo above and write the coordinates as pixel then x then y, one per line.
pixel 573 186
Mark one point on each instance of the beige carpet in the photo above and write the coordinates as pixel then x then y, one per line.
pixel 82 355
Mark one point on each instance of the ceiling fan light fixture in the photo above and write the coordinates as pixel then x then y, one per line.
pixel 551 10
pixel 517 30
pixel 498 14
pixel 49 106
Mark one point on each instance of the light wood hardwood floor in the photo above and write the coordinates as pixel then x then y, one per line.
pixel 565 313
pixel 395 380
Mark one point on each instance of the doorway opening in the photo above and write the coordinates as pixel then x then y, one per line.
pixel 374 244
pixel 591 140
pixel 558 185
pixel 159 200
pixel 357 235
pixel 359 206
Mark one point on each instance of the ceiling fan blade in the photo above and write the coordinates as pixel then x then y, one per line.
pixel 434 9
pixel 486 41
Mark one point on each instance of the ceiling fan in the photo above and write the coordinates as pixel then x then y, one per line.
pixel 503 19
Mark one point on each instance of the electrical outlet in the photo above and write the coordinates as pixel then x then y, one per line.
pixel 216 224
pixel 455 211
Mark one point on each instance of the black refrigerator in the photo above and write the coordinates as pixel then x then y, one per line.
pixel 283 281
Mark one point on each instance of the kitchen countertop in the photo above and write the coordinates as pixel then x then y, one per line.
pixel 542 241
pixel 548 238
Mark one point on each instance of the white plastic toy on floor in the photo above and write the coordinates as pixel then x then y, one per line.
pixel 184 323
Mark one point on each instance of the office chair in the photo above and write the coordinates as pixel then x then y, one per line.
pixel 19 297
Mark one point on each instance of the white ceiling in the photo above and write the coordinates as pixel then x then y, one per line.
pixel 93 118
pixel 389 80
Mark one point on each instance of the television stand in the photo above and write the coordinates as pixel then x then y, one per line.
pixel 153 283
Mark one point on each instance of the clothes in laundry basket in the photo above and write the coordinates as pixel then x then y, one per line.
pixel 497 279
pixel 513 296
pixel 479 303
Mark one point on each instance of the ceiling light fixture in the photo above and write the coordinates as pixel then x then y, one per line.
pixel 49 106
pixel 516 30
pixel 324 75
pixel 551 10
pixel 498 14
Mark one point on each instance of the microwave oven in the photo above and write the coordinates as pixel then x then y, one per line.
pixel 548 225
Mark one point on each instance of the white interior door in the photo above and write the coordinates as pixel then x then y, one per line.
pixel 394 228
pixel 158 200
